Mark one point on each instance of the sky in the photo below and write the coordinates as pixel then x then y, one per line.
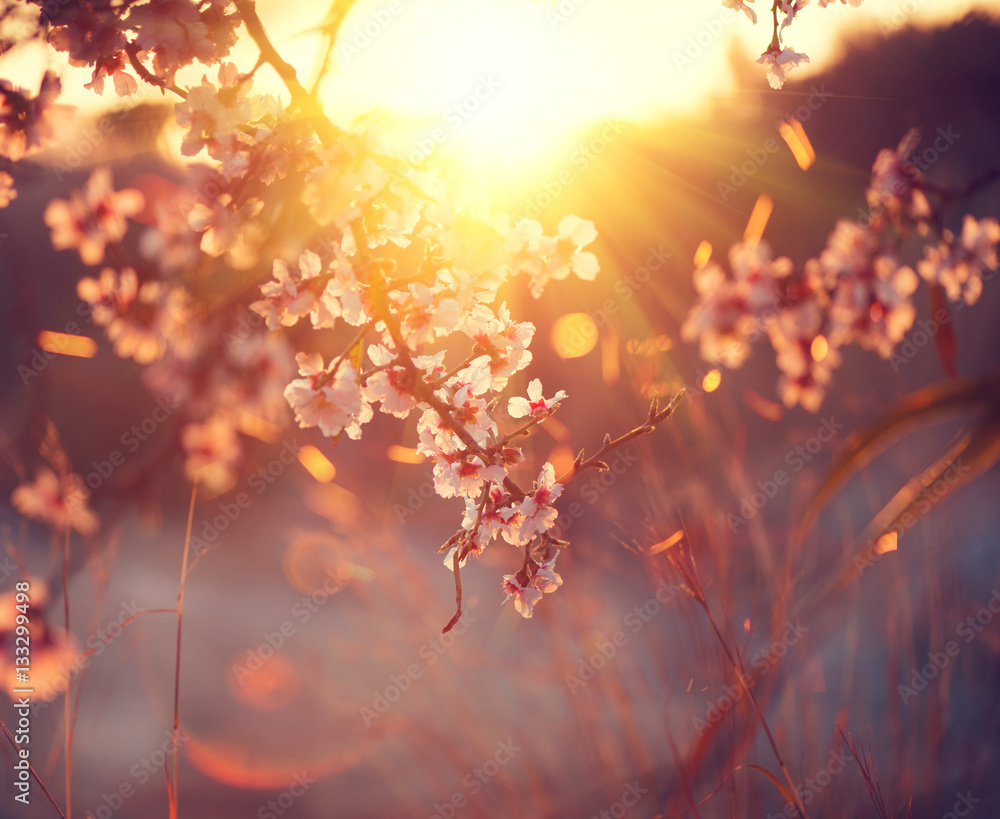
pixel 514 77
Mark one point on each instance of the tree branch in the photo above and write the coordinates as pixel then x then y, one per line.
pixel 325 129
pixel 655 417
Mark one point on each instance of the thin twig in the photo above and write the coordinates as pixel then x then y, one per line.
pixel 688 572
pixel 177 664
pixel 67 706
pixel 458 591
pixel 132 50
pixel 325 129
pixel 31 769
pixel 655 417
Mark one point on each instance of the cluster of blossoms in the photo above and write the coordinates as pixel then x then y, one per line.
pixel 778 58
pixel 346 218
pixel 857 291
pixel 386 365
pixel 389 259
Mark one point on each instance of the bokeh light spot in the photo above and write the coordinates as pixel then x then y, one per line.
pixel 574 335
pixel 561 458
pixel 317 562
pixel 819 348
pixel 711 381
pixel 703 253
pixel 317 464
pixel 66 344
pixel 886 543
pixel 266 683
pixel 404 455
pixel 758 219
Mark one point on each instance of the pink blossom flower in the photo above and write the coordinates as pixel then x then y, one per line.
pixel 895 186
pixel 284 303
pixel 212 453
pixel 958 265
pixel 730 312
pixel 330 401
pixel 26 122
pixel 544 258
pixel 869 292
pixel 213 116
pixel 140 321
pixel 524 594
pixel 536 509
pixel 504 341
pixel 465 477
pixel 93 218
pixel 59 502
pixel 177 32
pixel 346 180
pixel 8 193
pixel 803 379
pixel 527 586
pixel 739 5
pixel 779 62
pixel 535 404
pixel 790 8
pixel 340 298
pixel 114 67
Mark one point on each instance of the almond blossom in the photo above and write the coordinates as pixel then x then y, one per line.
pixel 535 404
pixel 7 191
pixel 779 61
pixel 328 398
pixel 59 502
pixel 93 217
pixel 524 594
pixel 27 122
pixel 895 186
pixel 503 340
pixel 140 321
pixel 739 5
pixel 544 257
pixel 465 477
pixel 212 116
pixel 958 264
pixel 114 67
pixel 536 509
pixel 528 585
pixel 212 453
pixel 284 303
pixel 804 377
pixel 870 291
pixel 729 312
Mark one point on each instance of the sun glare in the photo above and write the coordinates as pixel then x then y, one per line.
pixel 507 82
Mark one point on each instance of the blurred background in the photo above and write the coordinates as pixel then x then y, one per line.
pixel 315 680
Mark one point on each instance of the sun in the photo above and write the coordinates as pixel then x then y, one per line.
pixel 505 82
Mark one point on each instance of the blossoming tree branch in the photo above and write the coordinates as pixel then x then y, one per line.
pixel 358 243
